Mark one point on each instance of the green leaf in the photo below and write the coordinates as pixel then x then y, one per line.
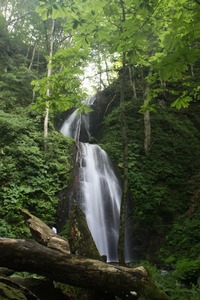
pixel 182 102
pixel 44 15
pixel 55 13
pixel 75 23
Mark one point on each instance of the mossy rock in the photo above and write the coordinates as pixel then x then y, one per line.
pixel 80 238
pixel 10 293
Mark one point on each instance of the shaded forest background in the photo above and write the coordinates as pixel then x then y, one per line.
pixel 151 53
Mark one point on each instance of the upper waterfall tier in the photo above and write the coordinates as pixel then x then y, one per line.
pixel 77 125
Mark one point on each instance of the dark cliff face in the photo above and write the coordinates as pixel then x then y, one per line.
pixel 104 103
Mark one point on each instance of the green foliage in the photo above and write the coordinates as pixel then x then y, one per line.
pixel 15 75
pixel 13 124
pixel 30 177
pixel 169 282
pixel 51 9
pixel 65 85
pixel 188 271
pixel 16 88
pixel 182 102
pixel 112 142
pixel 5 41
pixel 182 240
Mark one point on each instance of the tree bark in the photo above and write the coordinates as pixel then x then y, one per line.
pixel 43 233
pixel 147 121
pixel 132 80
pixel 33 56
pixel 49 73
pixel 122 226
pixel 147 132
pixel 28 255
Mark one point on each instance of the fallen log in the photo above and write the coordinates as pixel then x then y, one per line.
pixel 43 233
pixel 30 256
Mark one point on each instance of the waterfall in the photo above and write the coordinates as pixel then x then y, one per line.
pixel 100 197
pixel 71 126
pixel 99 189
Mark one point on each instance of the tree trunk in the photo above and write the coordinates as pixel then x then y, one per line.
pixel 43 234
pixel 147 132
pixel 132 80
pixel 107 73
pixel 49 72
pixel 147 121
pixel 46 121
pixel 33 56
pixel 121 244
pixel 22 255
pixel 101 85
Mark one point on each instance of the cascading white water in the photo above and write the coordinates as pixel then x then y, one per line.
pixel 99 190
pixel 100 199
pixel 75 121
pixel 71 126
